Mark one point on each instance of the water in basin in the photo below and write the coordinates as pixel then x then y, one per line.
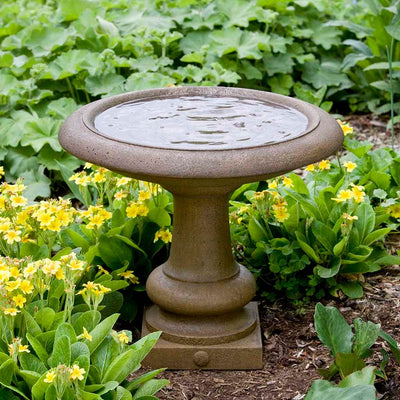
pixel 201 123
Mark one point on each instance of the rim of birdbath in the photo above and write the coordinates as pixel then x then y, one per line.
pixel 321 138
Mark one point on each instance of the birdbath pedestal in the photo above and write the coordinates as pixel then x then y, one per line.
pixel 201 143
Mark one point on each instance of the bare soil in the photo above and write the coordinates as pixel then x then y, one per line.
pixel 292 351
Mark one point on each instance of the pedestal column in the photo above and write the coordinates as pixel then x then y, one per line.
pixel 201 293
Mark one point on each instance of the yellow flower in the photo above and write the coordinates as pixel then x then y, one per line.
pixel 50 376
pixel 19 300
pixel 18 201
pixel 76 373
pixel 129 275
pixel 258 196
pixel 344 195
pixel 310 167
pixel 287 182
pixel 86 334
pixel 13 285
pixel 324 164
pixel 144 195
pixel 77 265
pixel 23 348
pixel 120 195
pixel 101 269
pixel 12 236
pixel 123 181
pixel 54 225
pixel 122 337
pixel 132 210
pixel 5 224
pixel 11 311
pixel 272 184
pixel 99 177
pixel 60 274
pixel 1 171
pixel 281 213
pixel 50 267
pixel 164 234
pixel 395 210
pixel 2 203
pixel 82 180
pixel 358 193
pixel 26 287
pixel 143 210
pixel 346 128
pixel 350 166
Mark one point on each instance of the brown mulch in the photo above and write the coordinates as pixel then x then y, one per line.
pixel 292 351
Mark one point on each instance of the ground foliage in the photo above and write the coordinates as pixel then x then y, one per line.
pixel 57 55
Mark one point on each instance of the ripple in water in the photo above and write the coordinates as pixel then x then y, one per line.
pixel 201 123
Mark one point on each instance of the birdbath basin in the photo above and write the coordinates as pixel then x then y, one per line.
pixel 201 143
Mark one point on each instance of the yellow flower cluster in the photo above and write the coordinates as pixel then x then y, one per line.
pixel 280 209
pixel 356 193
pixel 21 280
pixel 17 347
pixel 394 210
pixel 129 275
pixel 350 166
pixel 51 214
pixel 93 293
pixel 74 373
pixel 274 200
pixel 164 234
pixel 135 209
pixel 321 166
pixel 82 178
pixel 96 216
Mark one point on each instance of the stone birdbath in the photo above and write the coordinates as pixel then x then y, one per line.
pixel 201 143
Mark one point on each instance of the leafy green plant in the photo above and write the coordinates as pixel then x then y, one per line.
pixel 54 342
pixel 308 238
pixel 349 349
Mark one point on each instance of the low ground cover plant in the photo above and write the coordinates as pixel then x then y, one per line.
pixel 310 238
pixel 349 348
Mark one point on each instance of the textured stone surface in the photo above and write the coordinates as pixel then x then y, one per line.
pixel 201 294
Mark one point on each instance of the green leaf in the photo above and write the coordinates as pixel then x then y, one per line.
pixel 61 352
pixel 159 216
pixel 114 251
pixel 88 320
pixel 306 247
pixel 40 132
pixel 104 84
pixel 78 240
pixel 121 366
pixel 366 334
pixel 256 231
pixel 150 387
pixel 30 362
pixel 329 272
pixel 376 235
pixel 100 332
pixel 366 376
pixel 352 289
pixel 38 184
pixel 132 385
pixel 324 234
pixel 356 147
pixel 366 220
pixel 332 329
pixel 324 390
pixel 348 363
pixel 38 348
pixel 45 318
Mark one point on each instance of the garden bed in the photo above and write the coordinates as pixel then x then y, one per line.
pixel 293 352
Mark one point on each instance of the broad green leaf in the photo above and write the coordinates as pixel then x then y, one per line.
pixel 324 390
pixel 101 331
pixel 365 335
pixel 352 289
pixel 61 352
pixel 366 376
pixel 159 216
pixel 256 231
pixel 38 348
pixel 114 251
pixel 78 240
pixel 37 184
pixel 142 379
pixel 348 363
pixel 150 387
pixel 366 220
pixel 332 329
pixel 104 84
pixel 329 272
pixel 30 362
pixel 306 247
pixel 376 235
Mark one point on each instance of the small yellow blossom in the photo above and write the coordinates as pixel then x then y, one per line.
pixel 120 195
pixel 258 196
pixel 395 210
pixel 164 234
pixel 19 300
pixel 12 236
pixel 144 195
pixel 350 166
pixel 18 201
pixel 281 213
pixel 123 181
pixel 344 195
pixel 324 164
pixel 99 177
pixel 346 128
pixel 358 193
pixel 349 217
pixel 122 337
pixel 88 165
pixel 23 348
pixel 50 376
pixel 26 287
pixel 287 182
pixel 11 311
pixel 1 171
pixel 76 373
pixel 272 184
pixel 310 167
pixel 129 275
pixel 86 335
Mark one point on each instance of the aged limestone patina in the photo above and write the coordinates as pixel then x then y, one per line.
pixel 201 295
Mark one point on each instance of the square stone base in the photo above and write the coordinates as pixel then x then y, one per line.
pixel 245 353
